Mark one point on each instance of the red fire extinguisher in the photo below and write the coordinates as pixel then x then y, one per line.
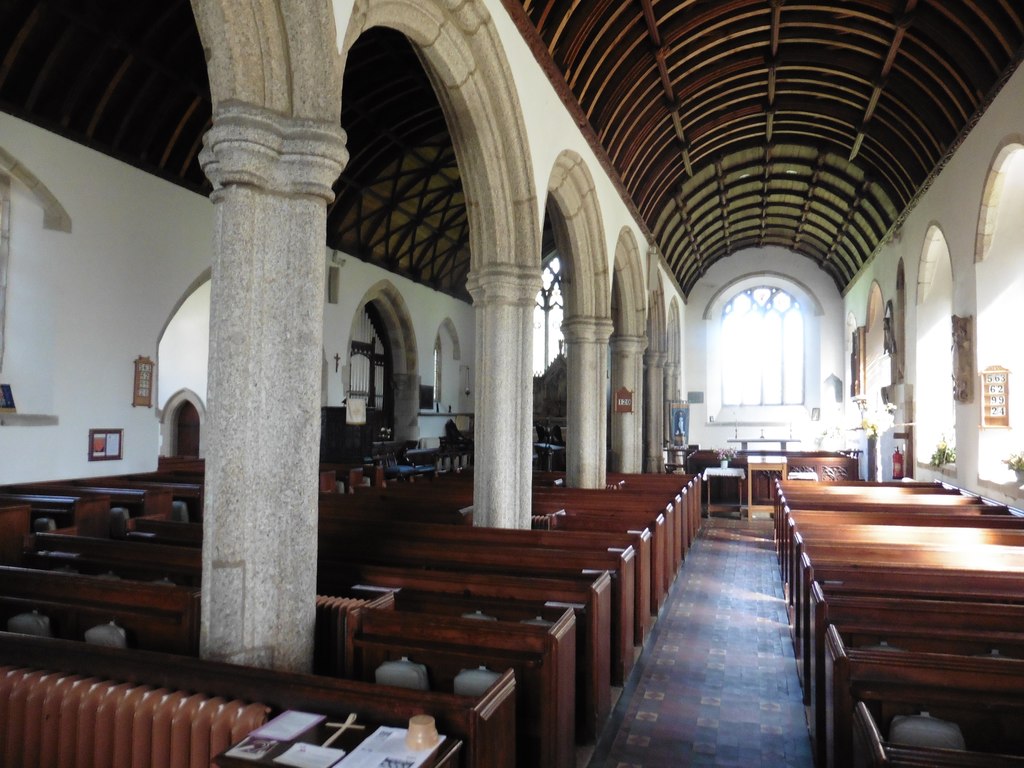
pixel 897 464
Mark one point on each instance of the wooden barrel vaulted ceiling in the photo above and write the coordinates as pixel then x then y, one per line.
pixel 727 123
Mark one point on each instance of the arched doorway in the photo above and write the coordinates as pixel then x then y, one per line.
pixel 186 431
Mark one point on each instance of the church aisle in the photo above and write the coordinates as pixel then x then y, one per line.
pixel 717 683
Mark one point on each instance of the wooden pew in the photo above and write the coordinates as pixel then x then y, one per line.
pixel 983 695
pixel 870 750
pixel 594 540
pixel 485 724
pixel 645 504
pixel 943 624
pixel 543 659
pixel 88 513
pixel 589 599
pixel 158 617
pixel 145 562
pixel 641 540
pixel 168 532
pixel 904 515
pixel 903 526
pixel 607 516
pixel 382 546
pixel 15 524
pixel 154 502
pixel 187 489
pixel 877 500
pixel 687 487
pixel 384 504
pixel 993 558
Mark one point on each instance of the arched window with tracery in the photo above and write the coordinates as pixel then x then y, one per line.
pixel 762 348
pixel 547 317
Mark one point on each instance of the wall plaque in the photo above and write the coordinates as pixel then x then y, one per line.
pixel 623 400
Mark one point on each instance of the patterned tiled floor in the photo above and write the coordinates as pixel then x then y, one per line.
pixel 716 684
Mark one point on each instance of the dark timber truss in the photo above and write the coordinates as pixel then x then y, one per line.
pixel 726 124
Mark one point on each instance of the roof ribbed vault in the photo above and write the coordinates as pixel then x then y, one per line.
pixel 727 124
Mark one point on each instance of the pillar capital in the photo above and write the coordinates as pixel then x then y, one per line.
pixel 582 330
pixel 504 284
pixel 254 147
pixel 654 358
pixel 628 345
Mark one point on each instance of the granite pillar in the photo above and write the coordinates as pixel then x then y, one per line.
pixel 503 299
pixel 586 341
pixel 654 411
pixel 627 371
pixel 272 180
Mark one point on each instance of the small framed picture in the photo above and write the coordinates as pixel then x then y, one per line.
pixel 815 414
pixel 678 423
pixel 105 444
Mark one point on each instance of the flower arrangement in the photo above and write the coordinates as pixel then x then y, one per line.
pixel 725 454
pixel 876 422
pixel 945 453
pixel 1015 461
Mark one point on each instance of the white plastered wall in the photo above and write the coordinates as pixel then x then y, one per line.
pixel 83 305
pixel 953 203
pixel 711 424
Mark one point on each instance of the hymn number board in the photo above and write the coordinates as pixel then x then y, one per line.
pixel 995 397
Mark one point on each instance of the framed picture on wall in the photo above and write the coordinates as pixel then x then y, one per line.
pixel 678 423
pixel 105 444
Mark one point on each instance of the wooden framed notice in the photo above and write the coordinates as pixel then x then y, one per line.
pixel 106 444
pixel 623 400
pixel 142 392
pixel 995 398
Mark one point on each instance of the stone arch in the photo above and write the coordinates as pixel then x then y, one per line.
pixel 934 246
pixel 799 289
pixel 656 325
pixel 454 378
pixel 169 420
pixel 463 56
pixel 203 277
pixel 878 372
pixel 395 313
pixel 631 319
pixel 899 328
pixel 933 392
pixel 448 327
pixel 280 56
pixel 55 216
pixel 579 233
pixel 674 333
pixel 992 194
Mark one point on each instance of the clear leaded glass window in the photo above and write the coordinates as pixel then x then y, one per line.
pixel 547 317
pixel 762 349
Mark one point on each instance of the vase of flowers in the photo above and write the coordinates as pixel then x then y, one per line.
pixel 945 453
pixel 725 455
pixel 1015 461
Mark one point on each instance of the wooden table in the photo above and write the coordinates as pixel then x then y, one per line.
pixel 761 464
pixel 738 472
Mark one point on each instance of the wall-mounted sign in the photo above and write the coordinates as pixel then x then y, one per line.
pixel 995 397
pixel 623 400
